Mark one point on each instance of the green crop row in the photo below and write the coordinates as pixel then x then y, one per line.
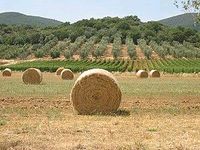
pixel 74 65
pixel 165 65
pixel 169 65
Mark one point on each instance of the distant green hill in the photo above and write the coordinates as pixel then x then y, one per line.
pixel 185 20
pixel 13 18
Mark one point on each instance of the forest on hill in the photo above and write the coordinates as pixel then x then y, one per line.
pixel 15 18
pixel 189 20
pixel 93 35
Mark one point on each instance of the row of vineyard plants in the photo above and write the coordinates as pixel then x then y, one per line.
pixel 175 49
pixel 145 48
pixel 169 65
pixel 186 50
pixel 74 47
pixel 131 48
pixel 100 49
pixel 44 50
pixel 74 65
pixel 87 47
pixel 14 51
pixel 163 65
pixel 116 51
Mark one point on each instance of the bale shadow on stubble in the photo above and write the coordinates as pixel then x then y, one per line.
pixel 119 112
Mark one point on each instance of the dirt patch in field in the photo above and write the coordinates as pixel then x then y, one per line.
pixel 32 103
pixel 154 55
pixel 124 51
pixel 108 52
pixel 184 103
pixel 139 52
pixel 3 63
pixel 149 103
pixel 6 62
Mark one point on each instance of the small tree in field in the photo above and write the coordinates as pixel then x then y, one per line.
pixel 68 54
pixel 131 48
pixel 39 53
pixel 84 53
pixel 116 51
pixel 55 54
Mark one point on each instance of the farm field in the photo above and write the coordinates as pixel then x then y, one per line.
pixel 154 114
pixel 51 71
pixel 119 65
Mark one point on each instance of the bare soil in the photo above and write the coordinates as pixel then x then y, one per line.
pixel 124 51
pixel 139 52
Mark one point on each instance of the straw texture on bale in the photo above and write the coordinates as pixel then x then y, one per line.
pixel 59 70
pixel 95 91
pixel 32 76
pixel 154 74
pixel 67 74
pixel 7 72
pixel 142 74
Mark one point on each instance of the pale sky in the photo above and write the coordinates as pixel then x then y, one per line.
pixel 74 10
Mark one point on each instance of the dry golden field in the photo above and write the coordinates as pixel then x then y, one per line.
pixel 154 114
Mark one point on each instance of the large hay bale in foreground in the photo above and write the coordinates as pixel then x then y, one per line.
pixel 67 74
pixel 32 76
pixel 7 72
pixel 95 91
pixel 59 70
pixel 142 74
pixel 154 74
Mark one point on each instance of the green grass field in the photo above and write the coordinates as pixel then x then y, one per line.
pixel 53 86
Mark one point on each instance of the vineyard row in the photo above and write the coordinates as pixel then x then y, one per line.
pixel 163 65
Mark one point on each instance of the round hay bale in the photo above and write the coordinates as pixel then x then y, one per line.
pixel 59 70
pixel 67 74
pixel 154 74
pixel 32 76
pixel 7 72
pixel 95 91
pixel 142 74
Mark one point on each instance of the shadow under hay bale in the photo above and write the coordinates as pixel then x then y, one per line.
pixel 154 74
pixel 120 112
pixel 142 74
pixel 7 72
pixel 32 76
pixel 59 70
pixel 95 91
pixel 67 74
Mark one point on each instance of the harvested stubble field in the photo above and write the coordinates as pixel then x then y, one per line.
pixel 155 114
